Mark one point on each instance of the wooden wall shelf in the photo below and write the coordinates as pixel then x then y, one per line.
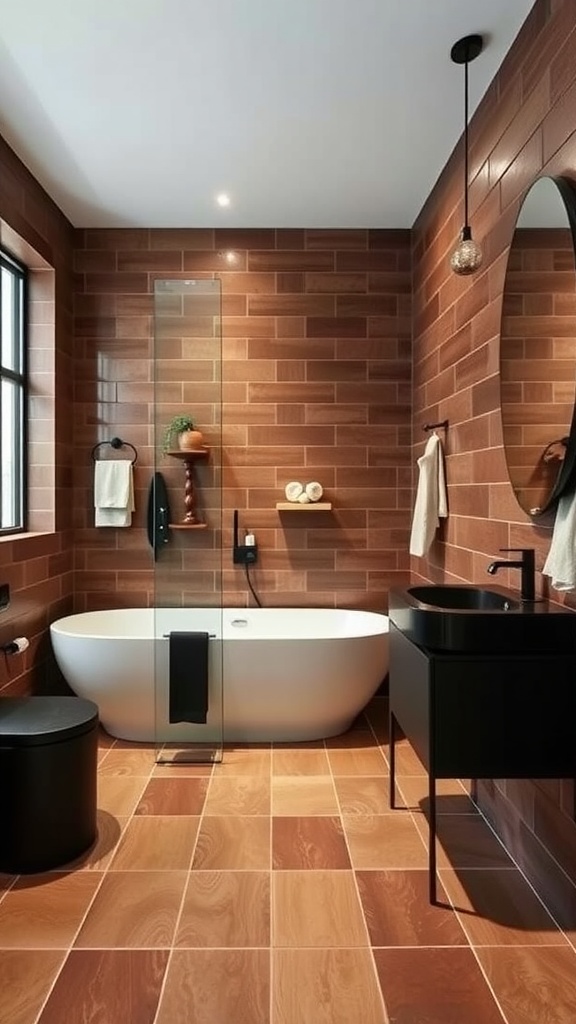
pixel 187 526
pixel 310 506
pixel 189 454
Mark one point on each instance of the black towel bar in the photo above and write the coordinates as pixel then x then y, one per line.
pixel 432 426
pixel 116 442
pixel 211 636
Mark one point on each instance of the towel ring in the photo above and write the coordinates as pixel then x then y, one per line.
pixel 116 442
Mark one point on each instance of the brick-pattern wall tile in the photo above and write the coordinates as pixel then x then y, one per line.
pixel 299 381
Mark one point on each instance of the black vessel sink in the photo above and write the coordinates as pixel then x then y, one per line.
pixel 464 618
pixel 473 598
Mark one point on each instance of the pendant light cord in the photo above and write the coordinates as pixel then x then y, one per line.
pixel 466 142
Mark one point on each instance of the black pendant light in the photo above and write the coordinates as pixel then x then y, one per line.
pixel 467 256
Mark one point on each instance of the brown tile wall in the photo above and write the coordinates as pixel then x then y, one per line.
pixel 525 125
pixel 316 370
pixel 38 566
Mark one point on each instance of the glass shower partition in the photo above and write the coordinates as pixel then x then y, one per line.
pixel 185 523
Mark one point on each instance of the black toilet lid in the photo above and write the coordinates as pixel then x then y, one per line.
pixel 30 721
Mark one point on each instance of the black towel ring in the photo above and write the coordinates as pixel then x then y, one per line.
pixel 116 442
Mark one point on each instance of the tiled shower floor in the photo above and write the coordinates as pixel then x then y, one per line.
pixel 278 888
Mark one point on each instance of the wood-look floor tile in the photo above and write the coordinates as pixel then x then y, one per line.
pixel 226 909
pixel 499 908
pixel 407 763
pixel 438 986
pixel 451 797
pixel 123 761
pixel 155 843
pixel 367 760
pixel 317 908
pixel 107 987
pixel 303 795
pixel 238 794
pixel 398 911
pixel 216 986
pixel 98 857
pixel 359 736
pixel 6 883
pixel 26 977
pixel 245 760
pixel 173 796
pixel 134 909
pixel 228 843
pixel 465 840
pixel 300 759
pixel 45 911
pixel 105 742
pixel 326 986
pixel 177 771
pixel 308 843
pixel 384 841
pixel 376 714
pixel 119 794
pixel 532 985
pixel 363 794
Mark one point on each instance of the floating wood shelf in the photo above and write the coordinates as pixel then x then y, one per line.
pixel 189 454
pixel 310 506
pixel 187 526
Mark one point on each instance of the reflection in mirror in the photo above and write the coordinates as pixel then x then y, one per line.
pixel 538 347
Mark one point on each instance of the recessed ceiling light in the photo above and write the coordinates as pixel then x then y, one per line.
pixel 223 199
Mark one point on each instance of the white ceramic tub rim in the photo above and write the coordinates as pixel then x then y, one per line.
pixel 233 623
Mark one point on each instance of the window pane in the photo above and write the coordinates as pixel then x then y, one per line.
pixel 8 287
pixel 11 456
pixel 12 395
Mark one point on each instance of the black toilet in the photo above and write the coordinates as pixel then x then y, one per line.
pixel 48 762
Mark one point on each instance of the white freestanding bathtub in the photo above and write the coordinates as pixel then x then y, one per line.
pixel 277 673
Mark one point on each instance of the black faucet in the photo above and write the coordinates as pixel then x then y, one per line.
pixel 527 566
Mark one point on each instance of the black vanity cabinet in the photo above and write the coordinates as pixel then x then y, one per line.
pixel 481 715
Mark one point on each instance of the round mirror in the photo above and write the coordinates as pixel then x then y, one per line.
pixel 538 347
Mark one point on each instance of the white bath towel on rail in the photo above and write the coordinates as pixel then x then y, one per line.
pixel 113 492
pixel 431 501
pixel 560 564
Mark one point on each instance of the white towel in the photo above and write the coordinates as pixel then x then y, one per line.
pixel 314 490
pixel 431 501
pixel 293 490
pixel 561 561
pixel 113 492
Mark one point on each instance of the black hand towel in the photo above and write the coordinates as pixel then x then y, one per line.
pixel 188 677
pixel 158 514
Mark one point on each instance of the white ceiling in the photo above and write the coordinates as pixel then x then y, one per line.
pixel 309 113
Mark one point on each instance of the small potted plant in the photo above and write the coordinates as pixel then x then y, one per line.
pixel 182 430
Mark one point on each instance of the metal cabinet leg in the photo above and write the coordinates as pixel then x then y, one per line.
pixel 432 836
pixel 392 735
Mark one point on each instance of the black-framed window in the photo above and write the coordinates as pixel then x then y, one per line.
pixel 13 395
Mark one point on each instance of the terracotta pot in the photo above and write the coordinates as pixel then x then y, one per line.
pixel 190 439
